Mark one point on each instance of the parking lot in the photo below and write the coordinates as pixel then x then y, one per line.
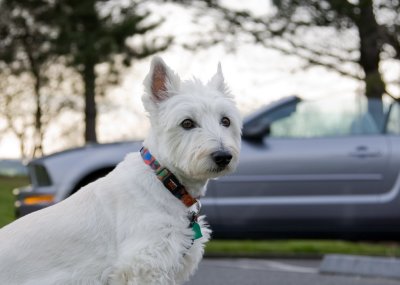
pixel 274 272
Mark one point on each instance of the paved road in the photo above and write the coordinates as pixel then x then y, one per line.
pixel 272 272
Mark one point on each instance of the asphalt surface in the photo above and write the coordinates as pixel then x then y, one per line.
pixel 273 272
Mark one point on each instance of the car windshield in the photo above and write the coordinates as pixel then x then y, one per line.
pixel 341 116
pixel 393 119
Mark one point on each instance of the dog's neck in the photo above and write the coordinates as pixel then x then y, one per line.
pixel 196 188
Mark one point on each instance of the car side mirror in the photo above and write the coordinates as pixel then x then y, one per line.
pixel 256 133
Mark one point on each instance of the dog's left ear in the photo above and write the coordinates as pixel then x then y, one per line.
pixel 218 81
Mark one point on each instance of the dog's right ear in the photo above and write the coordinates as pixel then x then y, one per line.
pixel 161 82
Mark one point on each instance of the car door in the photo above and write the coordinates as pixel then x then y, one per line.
pixel 319 161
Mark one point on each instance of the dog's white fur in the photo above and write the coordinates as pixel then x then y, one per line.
pixel 127 228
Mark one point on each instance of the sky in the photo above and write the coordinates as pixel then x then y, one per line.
pixel 255 75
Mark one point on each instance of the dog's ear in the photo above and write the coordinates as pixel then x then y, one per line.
pixel 161 82
pixel 218 81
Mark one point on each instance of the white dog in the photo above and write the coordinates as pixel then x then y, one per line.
pixel 137 225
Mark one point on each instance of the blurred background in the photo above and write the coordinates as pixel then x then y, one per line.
pixel 71 74
pixel 72 71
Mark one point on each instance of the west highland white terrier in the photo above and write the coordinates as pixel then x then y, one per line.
pixel 139 224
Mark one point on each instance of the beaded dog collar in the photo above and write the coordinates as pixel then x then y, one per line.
pixel 176 188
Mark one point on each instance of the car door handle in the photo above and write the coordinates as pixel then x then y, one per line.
pixel 364 152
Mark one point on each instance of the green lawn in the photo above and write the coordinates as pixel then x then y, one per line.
pixel 258 248
pixel 7 184
pixel 300 248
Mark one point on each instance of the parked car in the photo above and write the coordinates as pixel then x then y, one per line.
pixel 12 167
pixel 308 168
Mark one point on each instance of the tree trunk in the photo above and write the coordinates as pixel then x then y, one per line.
pixel 90 102
pixel 22 146
pixel 370 49
pixel 38 136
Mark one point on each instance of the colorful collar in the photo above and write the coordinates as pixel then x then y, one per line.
pixel 168 179
pixel 176 188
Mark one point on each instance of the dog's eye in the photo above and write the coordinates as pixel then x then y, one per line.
pixel 187 124
pixel 225 122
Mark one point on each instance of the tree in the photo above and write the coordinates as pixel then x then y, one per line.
pixel 93 32
pixel 391 30
pixel 14 90
pixel 83 35
pixel 25 48
pixel 34 72
pixel 349 37
pixel 343 16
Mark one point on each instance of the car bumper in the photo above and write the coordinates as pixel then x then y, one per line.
pixel 28 200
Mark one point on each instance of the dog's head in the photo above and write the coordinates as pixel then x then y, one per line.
pixel 196 127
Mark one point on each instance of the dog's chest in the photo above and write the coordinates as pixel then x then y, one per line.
pixel 146 221
pixel 163 242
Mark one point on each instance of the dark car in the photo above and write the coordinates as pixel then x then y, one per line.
pixel 308 168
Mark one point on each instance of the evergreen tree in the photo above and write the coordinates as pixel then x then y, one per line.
pixel 92 32
pixel 88 33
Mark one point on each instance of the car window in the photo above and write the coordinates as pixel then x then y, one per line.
pixel 393 125
pixel 326 118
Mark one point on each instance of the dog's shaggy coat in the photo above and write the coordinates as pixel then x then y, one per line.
pixel 127 228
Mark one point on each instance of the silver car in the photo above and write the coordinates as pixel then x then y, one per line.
pixel 308 168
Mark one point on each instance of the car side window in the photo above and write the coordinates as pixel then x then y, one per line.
pixel 325 118
pixel 393 124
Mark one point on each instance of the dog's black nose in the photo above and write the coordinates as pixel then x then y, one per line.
pixel 221 157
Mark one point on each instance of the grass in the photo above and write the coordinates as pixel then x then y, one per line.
pixel 300 248
pixel 259 248
pixel 7 184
